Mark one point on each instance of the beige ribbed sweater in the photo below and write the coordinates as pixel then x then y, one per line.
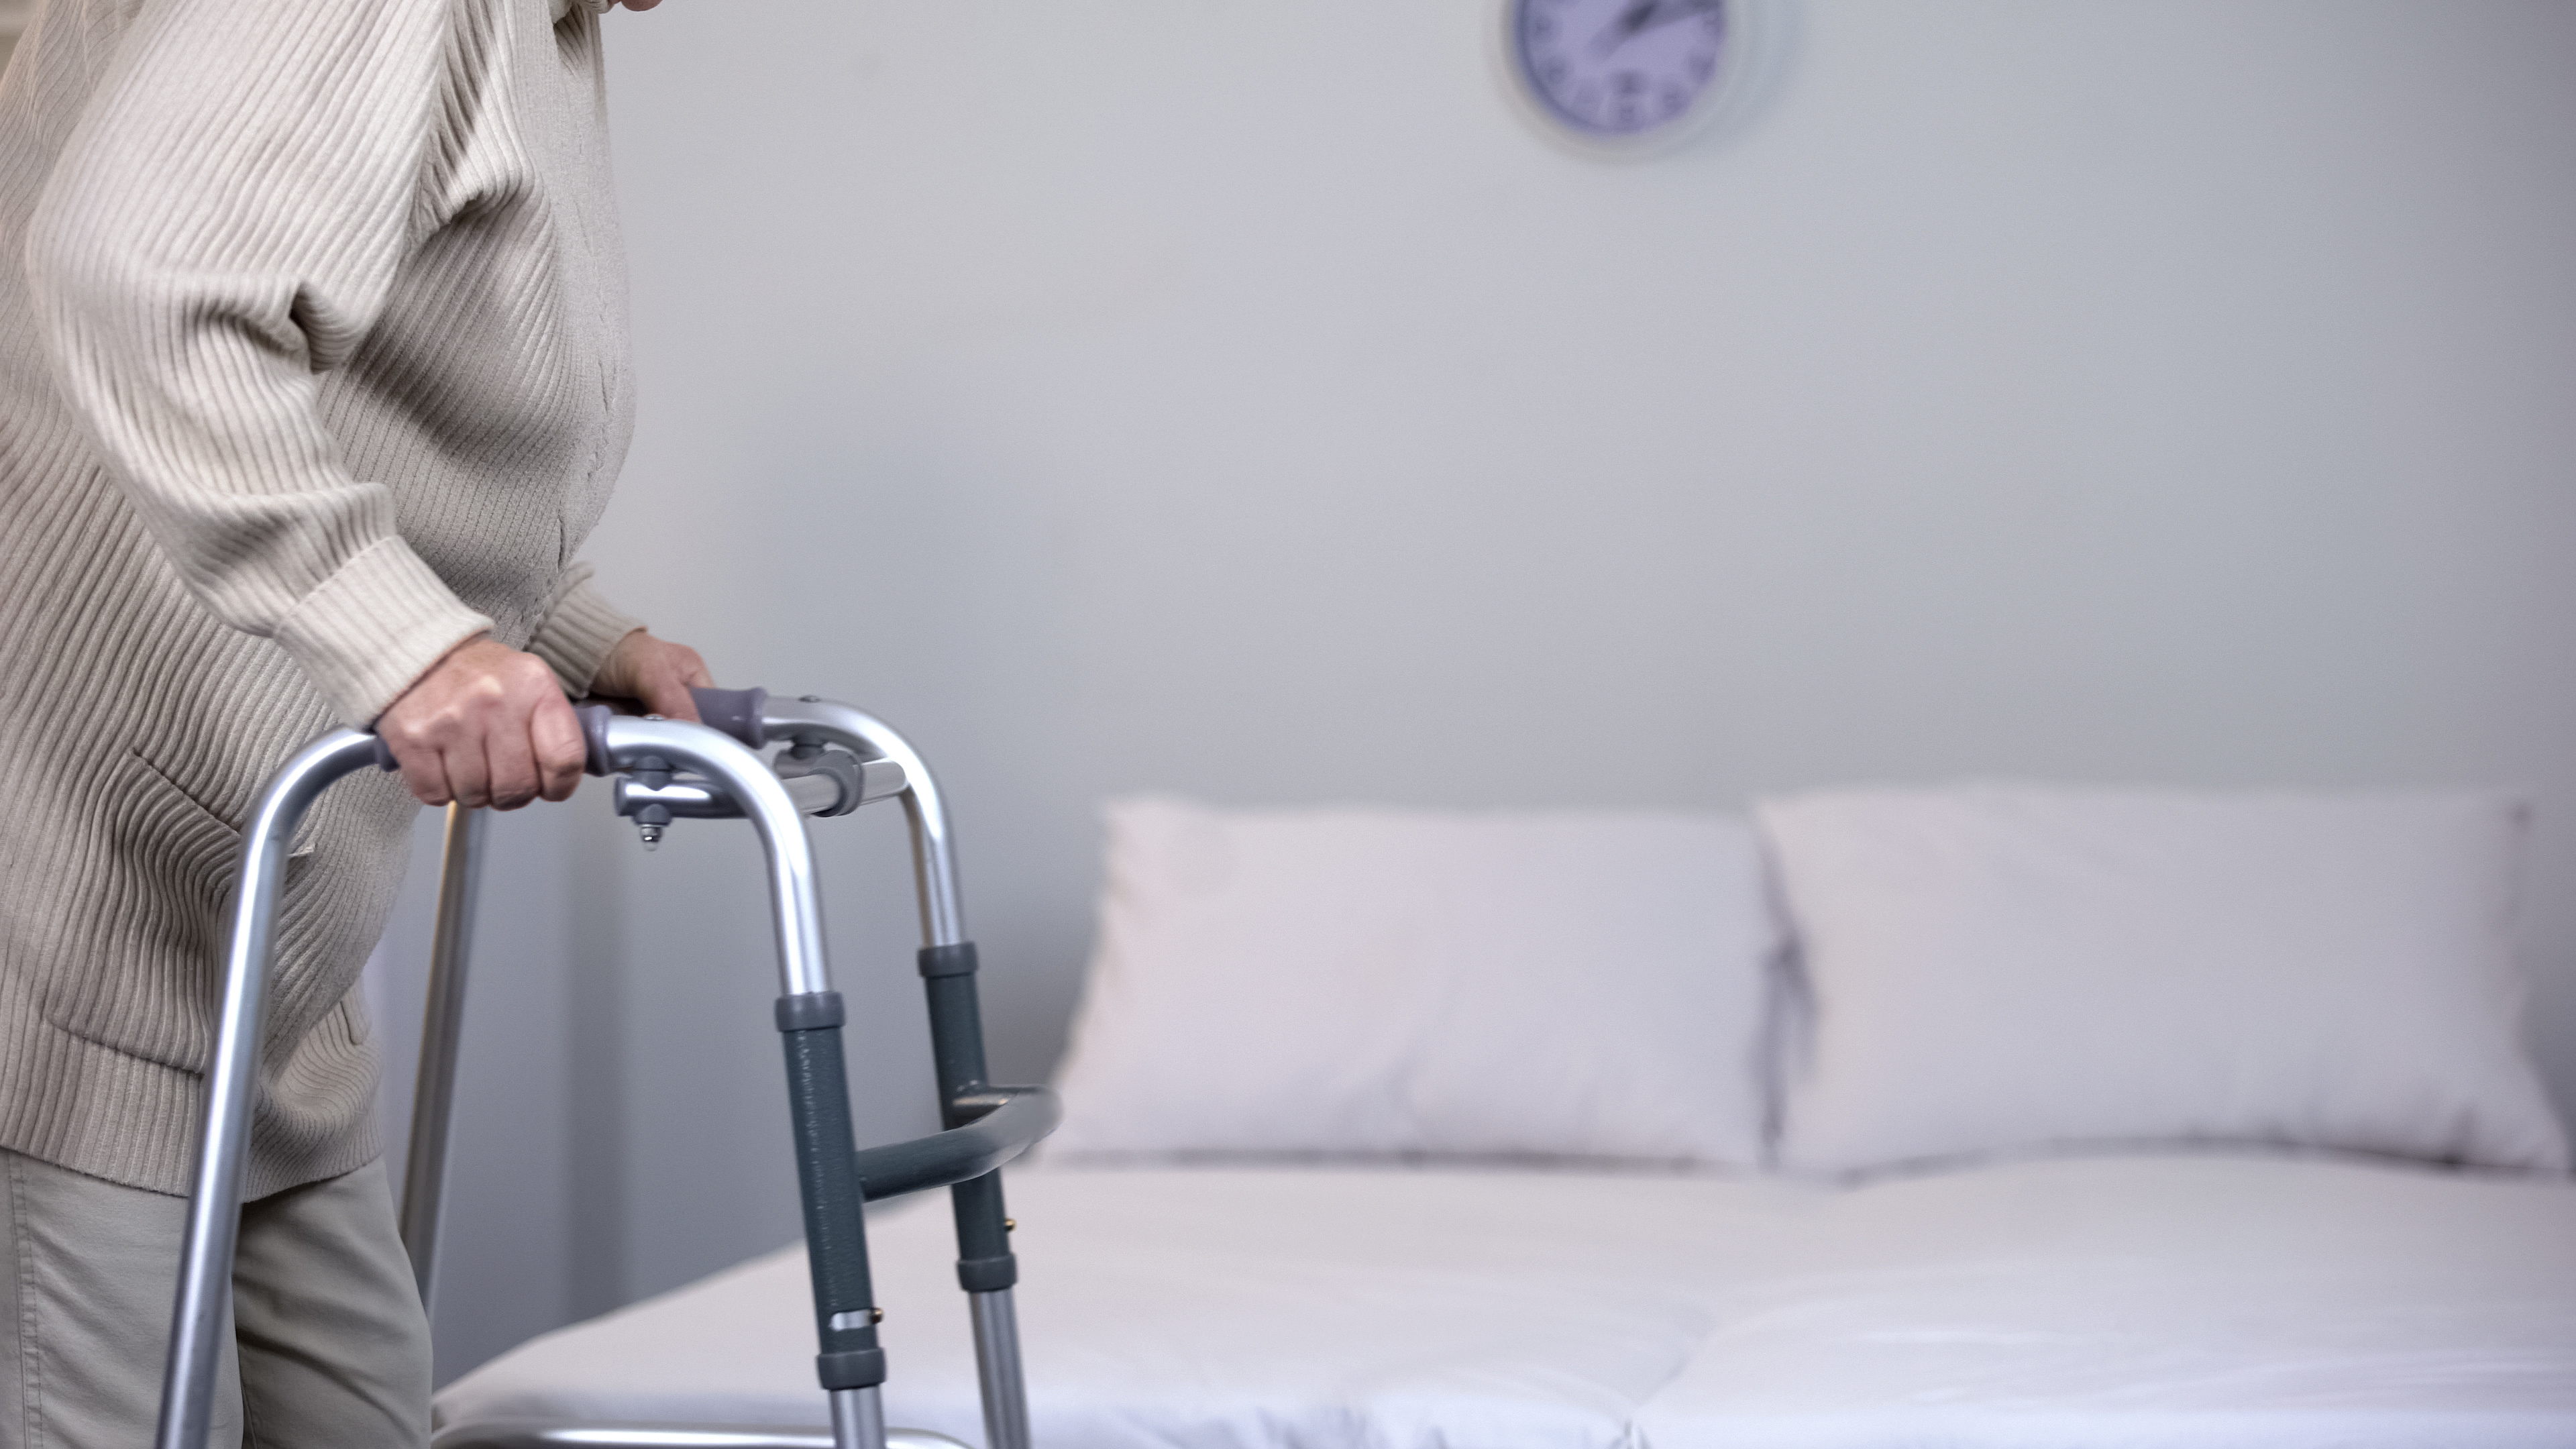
pixel 312 364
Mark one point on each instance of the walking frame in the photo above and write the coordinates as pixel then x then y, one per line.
pixel 837 758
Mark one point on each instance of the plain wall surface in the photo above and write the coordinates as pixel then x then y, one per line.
pixel 1244 400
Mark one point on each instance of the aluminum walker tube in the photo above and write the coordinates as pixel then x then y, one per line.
pixel 424 1196
pixel 200 1318
pixel 986 1267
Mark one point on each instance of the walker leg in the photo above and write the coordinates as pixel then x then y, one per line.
pixel 201 1313
pixel 851 1365
pixel 986 1267
pixel 433 1096
pixel 997 1364
pixel 858 1418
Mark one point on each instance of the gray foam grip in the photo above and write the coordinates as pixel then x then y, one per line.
pixel 594 737
pixel 734 711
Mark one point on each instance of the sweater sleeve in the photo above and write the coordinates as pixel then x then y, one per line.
pixel 224 227
pixel 578 630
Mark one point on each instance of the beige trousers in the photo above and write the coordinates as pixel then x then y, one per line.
pixel 329 1348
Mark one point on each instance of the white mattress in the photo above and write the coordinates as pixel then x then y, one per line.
pixel 2251 1302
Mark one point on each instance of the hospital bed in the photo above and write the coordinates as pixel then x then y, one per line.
pixel 1363 1232
pixel 2214 1300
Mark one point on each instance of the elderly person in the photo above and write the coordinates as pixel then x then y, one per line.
pixel 313 376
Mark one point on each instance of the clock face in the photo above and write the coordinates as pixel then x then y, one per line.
pixel 1618 69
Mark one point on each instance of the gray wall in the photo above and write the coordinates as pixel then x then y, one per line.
pixel 1240 399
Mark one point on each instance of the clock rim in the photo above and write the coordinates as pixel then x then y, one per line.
pixel 1750 27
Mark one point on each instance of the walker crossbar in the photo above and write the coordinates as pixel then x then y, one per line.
pixel 959 1154
pixel 703 773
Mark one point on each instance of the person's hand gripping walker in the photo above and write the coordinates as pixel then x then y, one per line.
pixel 488 725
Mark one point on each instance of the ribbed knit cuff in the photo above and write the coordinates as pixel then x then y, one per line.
pixel 578 630
pixel 368 631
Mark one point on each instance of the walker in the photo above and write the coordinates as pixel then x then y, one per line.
pixel 836 759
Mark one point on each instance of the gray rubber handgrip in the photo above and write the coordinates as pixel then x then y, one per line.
pixel 734 711
pixel 594 737
pixel 385 755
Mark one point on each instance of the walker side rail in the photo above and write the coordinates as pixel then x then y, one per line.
pixel 677 769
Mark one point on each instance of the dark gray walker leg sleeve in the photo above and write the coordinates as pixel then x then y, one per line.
pixel 818 1096
pixel 985 1263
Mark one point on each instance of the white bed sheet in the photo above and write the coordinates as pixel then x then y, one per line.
pixel 2249 1302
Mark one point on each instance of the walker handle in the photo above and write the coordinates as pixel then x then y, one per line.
pixel 734 712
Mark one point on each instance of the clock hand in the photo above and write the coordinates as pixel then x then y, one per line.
pixel 1648 15
pixel 1668 11
pixel 1640 15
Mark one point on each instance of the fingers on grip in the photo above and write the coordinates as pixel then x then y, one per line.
pixel 557 743
pixel 488 725
pixel 561 749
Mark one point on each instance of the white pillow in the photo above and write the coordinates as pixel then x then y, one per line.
pixel 1393 983
pixel 2002 969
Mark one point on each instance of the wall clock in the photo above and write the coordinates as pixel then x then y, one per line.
pixel 1628 76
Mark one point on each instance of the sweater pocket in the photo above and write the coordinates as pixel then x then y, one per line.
pixel 149 976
